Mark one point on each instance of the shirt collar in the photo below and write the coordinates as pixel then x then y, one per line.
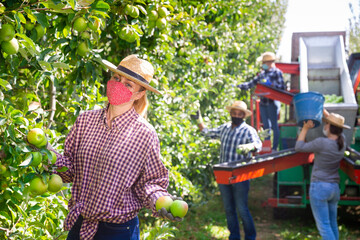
pixel 122 120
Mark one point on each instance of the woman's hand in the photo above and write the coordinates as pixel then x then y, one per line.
pixel 308 124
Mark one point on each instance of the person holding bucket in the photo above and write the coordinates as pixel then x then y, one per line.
pixel 269 109
pixel 235 196
pixel 324 189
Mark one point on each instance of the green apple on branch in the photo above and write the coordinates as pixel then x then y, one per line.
pixel 36 159
pixel 2 169
pixel 55 183
pixel 37 186
pixel 37 137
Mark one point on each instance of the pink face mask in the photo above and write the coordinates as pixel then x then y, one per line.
pixel 117 93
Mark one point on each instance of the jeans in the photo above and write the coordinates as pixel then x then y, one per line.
pixel 109 231
pixel 235 197
pixel 269 117
pixel 324 198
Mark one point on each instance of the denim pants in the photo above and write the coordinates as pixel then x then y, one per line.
pixel 235 199
pixel 324 198
pixel 109 231
pixel 269 117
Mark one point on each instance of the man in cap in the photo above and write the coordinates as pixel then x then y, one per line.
pixel 269 109
pixel 235 196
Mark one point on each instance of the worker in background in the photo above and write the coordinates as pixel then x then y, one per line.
pixel 269 109
pixel 324 190
pixel 233 135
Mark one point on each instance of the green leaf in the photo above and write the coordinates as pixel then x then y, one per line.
pixel 16 113
pixel 60 65
pixel 4 215
pixel 45 65
pixel 28 40
pixel 21 211
pixel 21 17
pixel 30 15
pixel 21 121
pixel 10 131
pixel 27 161
pixel 100 6
pixel 5 84
pixel 62 169
pixel 72 3
pixel 41 18
pixel 37 224
pixel 13 213
pixel 142 9
pixel 54 58
pixel 2 121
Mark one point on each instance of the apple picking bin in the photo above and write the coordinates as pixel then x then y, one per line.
pixel 309 106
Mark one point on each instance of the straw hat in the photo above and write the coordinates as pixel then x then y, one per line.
pixel 266 57
pixel 336 120
pixel 241 106
pixel 135 69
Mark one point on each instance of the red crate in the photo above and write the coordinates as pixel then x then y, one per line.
pixel 291 68
pixel 352 170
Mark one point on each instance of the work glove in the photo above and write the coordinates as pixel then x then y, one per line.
pixel 264 133
pixel 241 86
pixel 245 148
pixel 167 214
pixel 197 117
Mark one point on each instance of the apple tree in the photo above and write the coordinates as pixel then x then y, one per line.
pixel 50 71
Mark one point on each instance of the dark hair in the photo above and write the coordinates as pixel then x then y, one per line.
pixel 338 131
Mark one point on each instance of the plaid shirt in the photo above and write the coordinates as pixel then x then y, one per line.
pixel 231 138
pixel 115 172
pixel 272 77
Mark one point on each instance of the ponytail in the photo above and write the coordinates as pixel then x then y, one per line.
pixel 338 131
pixel 141 105
pixel 340 142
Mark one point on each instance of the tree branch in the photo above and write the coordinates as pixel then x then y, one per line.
pixel 52 94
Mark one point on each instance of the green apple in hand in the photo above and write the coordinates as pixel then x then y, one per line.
pixel 347 153
pixel 357 162
pixel 37 137
pixel 179 208
pixel 163 202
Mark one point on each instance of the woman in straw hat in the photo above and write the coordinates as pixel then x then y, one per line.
pixel 269 109
pixel 235 196
pixel 112 156
pixel 324 187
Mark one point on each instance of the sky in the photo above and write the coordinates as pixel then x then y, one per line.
pixel 314 16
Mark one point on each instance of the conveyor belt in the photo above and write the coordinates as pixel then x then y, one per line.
pixel 233 172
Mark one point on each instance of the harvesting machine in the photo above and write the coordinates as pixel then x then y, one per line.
pixel 318 65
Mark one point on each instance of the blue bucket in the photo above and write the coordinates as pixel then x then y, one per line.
pixel 309 106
